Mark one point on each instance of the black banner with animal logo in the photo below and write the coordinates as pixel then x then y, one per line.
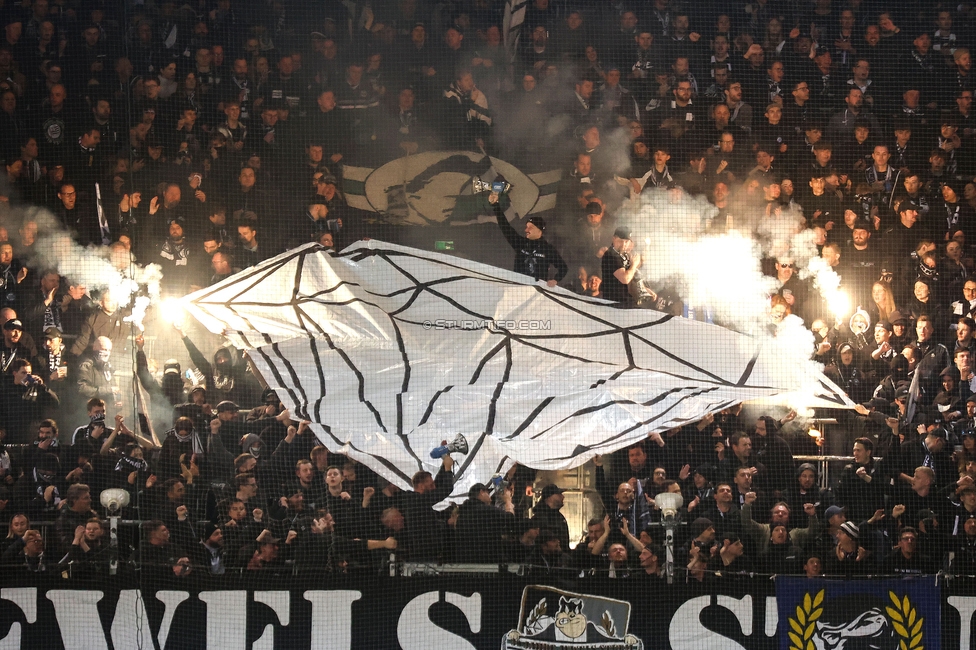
pixel 476 612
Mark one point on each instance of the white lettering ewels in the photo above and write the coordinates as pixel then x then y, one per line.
pixel 332 618
pixel 415 630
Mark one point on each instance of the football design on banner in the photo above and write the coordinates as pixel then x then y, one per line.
pixel 390 350
pixel 435 187
pixel 551 619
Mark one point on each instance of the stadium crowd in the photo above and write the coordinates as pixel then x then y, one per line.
pixel 209 136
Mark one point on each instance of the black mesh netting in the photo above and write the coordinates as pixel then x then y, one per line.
pixel 477 323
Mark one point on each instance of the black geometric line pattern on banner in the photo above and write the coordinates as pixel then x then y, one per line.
pixel 290 379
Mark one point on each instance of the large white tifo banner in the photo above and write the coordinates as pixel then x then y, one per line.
pixel 435 187
pixel 389 350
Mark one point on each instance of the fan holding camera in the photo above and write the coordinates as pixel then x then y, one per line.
pixel 23 401
pixel 533 254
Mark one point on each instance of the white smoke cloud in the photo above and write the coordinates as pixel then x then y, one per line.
pixel 723 272
pixel 92 267
pixel 720 272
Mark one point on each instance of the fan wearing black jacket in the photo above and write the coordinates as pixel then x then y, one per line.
pixel 533 254
pixel 481 526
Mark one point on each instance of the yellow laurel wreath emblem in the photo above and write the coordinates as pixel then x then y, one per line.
pixel 906 622
pixel 803 625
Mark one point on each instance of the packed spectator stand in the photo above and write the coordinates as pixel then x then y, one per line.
pixel 207 137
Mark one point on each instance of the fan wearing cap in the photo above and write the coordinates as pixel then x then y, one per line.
pixel 861 261
pixel 899 240
pixel 848 558
pixel 590 233
pixel 895 387
pixel 619 267
pixel 229 425
pixel 481 526
pixel 13 347
pixel 269 409
pixel 883 352
pixel 533 254
pixel 963 544
pixel 209 552
pixel 546 514
pixel 51 360
pixel 966 494
pixel 701 534
pixel 341 220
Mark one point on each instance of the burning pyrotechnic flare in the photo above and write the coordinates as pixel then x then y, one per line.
pixel 96 269
pixel 172 311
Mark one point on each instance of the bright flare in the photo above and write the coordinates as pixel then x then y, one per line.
pixel 839 303
pixel 172 311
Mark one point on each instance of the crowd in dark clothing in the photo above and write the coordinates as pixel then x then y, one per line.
pixel 210 137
